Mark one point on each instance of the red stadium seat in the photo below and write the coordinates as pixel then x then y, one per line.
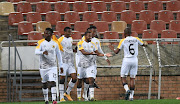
pixel 76 35
pixel 71 16
pixel 107 1
pixel 98 6
pixel 51 0
pixel 24 27
pixel 136 6
pixel 165 15
pixel 90 16
pixel 158 25
pixel 109 16
pixel 155 6
pixel 178 15
pixel 80 6
pixel 175 25
pixel 70 0
pixel 111 35
pixel 173 5
pixel 147 15
pixel 52 17
pixel 138 26
pixel 128 16
pixel 149 34
pixel 14 18
pixel 43 7
pixel 169 34
pixel 61 6
pixel 57 34
pixel 101 26
pixel 81 26
pixel 13 1
pixel 33 17
pixel 34 35
pixel 24 7
pixel 32 1
pixel 118 6
pixel 61 25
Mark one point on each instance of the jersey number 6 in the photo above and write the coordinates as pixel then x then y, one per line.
pixel 131 50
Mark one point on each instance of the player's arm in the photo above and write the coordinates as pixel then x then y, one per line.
pixel 59 57
pixel 140 42
pixel 100 54
pixel 116 51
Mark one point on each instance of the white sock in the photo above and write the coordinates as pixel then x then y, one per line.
pixel 61 91
pixel 131 94
pixel 53 92
pixel 79 92
pixel 126 87
pixel 91 93
pixel 70 86
pixel 86 86
pixel 45 93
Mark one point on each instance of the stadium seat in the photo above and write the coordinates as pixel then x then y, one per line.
pixel 24 7
pixel 42 25
pixel 81 26
pixel 107 1
pixel 14 18
pixel 34 35
pixel 175 25
pixel 101 26
pixel 57 34
pixel 90 16
pixel 61 7
pixel 61 25
pixel 128 16
pixel 168 34
pixel 33 1
pixel 165 15
pixel 98 6
pixel 70 0
pixel 80 6
pixel 51 0
pixel 118 26
pixel 43 7
pixel 155 6
pixel 178 15
pixel 24 27
pixel 147 15
pixel 111 35
pixel 138 26
pixel 71 16
pixel 149 34
pixel 33 17
pixel 173 5
pixel 52 17
pixel 136 6
pixel 118 6
pixel 158 25
pixel 76 35
pixel 6 8
pixel 109 16
pixel 14 1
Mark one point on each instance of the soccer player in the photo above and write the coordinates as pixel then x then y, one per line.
pixel 130 60
pixel 68 64
pixel 87 61
pixel 48 49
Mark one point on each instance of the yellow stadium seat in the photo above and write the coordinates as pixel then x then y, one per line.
pixel 42 25
pixel 118 26
pixel 6 8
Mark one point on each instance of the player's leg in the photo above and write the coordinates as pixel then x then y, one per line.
pixel 86 87
pixel 61 87
pixel 79 88
pixel 132 87
pixel 53 91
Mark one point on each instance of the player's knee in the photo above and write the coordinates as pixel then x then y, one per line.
pixel 53 84
pixel 45 85
pixel 62 81
pixel 79 85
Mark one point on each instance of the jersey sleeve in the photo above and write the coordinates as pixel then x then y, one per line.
pixel 120 44
pixel 140 42
pixel 95 47
pixel 100 49
pixel 59 56
pixel 38 50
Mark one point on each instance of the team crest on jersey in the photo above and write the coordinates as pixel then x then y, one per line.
pixel 53 46
pixel 96 42
pixel 79 45
pixel 91 46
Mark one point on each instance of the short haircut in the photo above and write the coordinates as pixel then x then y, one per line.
pixel 50 29
pixel 66 28
pixel 93 27
pixel 86 32
pixel 128 31
pixel 88 29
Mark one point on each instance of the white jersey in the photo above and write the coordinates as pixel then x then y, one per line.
pixel 67 54
pixel 53 49
pixel 130 45
pixel 86 60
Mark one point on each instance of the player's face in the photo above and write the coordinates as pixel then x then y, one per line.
pixel 68 33
pixel 93 31
pixel 88 37
pixel 47 35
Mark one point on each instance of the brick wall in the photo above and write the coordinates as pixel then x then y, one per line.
pixel 112 89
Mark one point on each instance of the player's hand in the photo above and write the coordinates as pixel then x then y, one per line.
pixel 107 60
pixel 61 70
pixel 45 52
pixel 108 54
pixel 111 47
pixel 145 43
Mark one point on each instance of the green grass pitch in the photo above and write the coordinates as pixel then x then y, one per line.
pixel 162 101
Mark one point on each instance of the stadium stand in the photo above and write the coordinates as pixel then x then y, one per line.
pixel 118 26
pixel 136 6
pixel 24 7
pixel 90 16
pixel 168 34
pixel 52 17
pixel 61 7
pixel 70 0
pixel 80 6
pixel 81 26
pixel 150 34
pixel 178 15
pixel 175 25
pixel 158 25
pixel 101 26
pixel 71 16
pixel 6 8
pixel 109 16
pixel 42 25
pixel 98 6
pixel 173 5
pixel 165 15
pixel 33 17
pixel 118 6
pixel 60 25
pixel 24 27
pixel 14 18
pixel 57 34
pixel 33 1
pixel 110 35
pixel 34 35
pixel 138 26
pixel 155 6
pixel 14 1
pixel 43 7
pixel 51 0
pixel 147 15
pixel 76 35
pixel 128 16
